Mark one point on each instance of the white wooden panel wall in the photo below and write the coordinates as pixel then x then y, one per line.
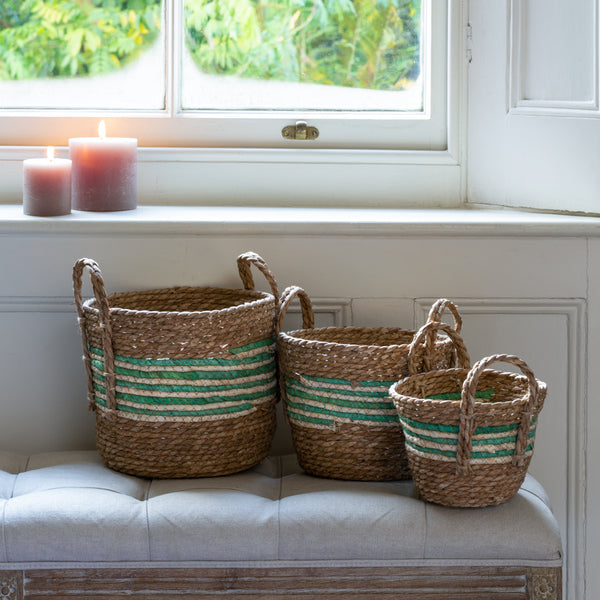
pixel 523 326
pixel 522 295
pixel 534 111
pixel 592 480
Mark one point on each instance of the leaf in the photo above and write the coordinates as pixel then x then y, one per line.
pixel 74 40
pixel 92 41
pixel 100 62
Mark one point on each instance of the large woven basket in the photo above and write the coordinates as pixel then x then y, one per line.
pixel 335 383
pixel 469 432
pixel 183 380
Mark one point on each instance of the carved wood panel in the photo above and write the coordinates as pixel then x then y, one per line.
pixel 11 585
pixel 544 584
pixel 339 583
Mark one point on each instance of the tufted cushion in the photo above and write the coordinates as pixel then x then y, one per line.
pixel 68 507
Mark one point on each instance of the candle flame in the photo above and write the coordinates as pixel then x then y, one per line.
pixel 102 129
pixel 50 152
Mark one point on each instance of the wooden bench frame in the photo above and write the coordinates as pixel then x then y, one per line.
pixel 290 583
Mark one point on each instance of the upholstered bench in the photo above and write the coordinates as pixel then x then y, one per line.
pixel 71 528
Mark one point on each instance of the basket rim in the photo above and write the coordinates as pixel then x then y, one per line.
pixel 295 336
pixel 255 297
pixel 397 397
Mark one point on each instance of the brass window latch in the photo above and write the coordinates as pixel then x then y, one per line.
pixel 300 131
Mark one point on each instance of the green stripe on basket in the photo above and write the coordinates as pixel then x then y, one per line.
pixel 452 454
pixel 151 400
pixel 224 386
pixel 196 362
pixel 511 439
pixel 313 394
pixel 375 417
pixel 264 364
pixel 411 424
pixel 209 412
pixel 294 416
pixel 189 375
pixel 302 397
pixel 253 345
pixel 486 394
pixel 347 382
pixel 195 389
pixel 325 401
pixel 268 369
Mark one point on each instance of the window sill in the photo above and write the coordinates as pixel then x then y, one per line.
pixel 231 220
pixel 291 177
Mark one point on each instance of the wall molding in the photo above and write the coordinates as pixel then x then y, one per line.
pixel 517 103
pixel 575 312
pixel 340 309
pixel 37 304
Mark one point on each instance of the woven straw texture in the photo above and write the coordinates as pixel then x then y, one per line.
pixel 469 433
pixel 335 382
pixel 183 380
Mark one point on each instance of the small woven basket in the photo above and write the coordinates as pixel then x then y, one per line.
pixel 183 380
pixel 335 383
pixel 469 432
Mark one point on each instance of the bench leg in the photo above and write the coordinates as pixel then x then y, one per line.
pixel 11 585
pixel 544 584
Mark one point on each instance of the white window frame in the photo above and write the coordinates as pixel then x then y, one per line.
pixel 236 158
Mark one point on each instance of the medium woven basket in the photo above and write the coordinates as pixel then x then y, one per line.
pixel 469 432
pixel 183 380
pixel 335 383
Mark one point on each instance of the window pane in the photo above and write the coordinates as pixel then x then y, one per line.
pixel 86 54
pixel 303 54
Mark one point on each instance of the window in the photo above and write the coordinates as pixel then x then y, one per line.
pixel 338 55
pixel 191 78
pixel 63 54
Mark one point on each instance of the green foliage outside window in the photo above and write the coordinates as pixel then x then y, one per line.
pixel 371 44
pixel 358 43
pixel 60 38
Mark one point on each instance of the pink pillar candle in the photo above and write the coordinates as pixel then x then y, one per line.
pixel 47 186
pixel 104 173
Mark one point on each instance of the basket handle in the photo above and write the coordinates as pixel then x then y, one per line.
pixel 308 319
pixel 435 314
pixel 437 310
pixel 245 262
pixel 425 334
pixel 467 410
pixel 105 325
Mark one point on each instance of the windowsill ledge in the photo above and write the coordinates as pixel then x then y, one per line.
pixel 187 220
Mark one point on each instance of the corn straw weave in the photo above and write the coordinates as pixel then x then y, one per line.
pixel 469 433
pixel 335 382
pixel 183 380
